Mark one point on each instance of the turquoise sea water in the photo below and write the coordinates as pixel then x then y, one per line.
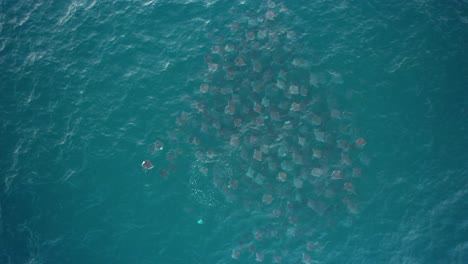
pixel 87 87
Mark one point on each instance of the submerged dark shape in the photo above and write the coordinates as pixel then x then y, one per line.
pixel 147 165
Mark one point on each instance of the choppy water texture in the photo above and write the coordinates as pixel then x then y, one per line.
pixel 234 132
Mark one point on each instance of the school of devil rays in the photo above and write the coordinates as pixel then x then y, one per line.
pixel 269 130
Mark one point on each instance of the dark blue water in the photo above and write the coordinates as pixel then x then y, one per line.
pixel 88 87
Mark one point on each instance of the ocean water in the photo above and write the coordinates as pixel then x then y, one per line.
pixel 91 89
